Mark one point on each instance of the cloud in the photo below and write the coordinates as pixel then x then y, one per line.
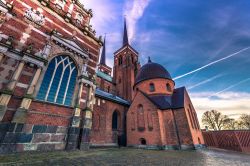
pixel 231 86
pixel 229 103
pixel 134 10
pixel 105 13
pixel 211 63
pixel 204 82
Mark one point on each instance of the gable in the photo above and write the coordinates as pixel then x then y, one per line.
pixel 141 99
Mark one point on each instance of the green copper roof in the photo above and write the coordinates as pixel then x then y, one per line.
pixel 104 76
pixel 108 96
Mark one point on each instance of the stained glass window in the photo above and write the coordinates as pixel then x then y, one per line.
pixel 59 81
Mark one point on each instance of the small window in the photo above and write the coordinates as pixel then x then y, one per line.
pixel 151 87
pixel 168 87
pixel 143 141
pixel 120 61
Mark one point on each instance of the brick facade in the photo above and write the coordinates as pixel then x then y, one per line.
pixel 102 111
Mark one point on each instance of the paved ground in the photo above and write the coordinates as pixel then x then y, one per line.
pixel 125 156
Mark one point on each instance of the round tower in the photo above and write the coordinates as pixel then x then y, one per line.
pixel 154 79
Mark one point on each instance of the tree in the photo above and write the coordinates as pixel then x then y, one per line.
pixel 245 121
pixel 231 124
pixel 214 120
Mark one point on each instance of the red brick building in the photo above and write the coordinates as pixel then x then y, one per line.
pixel 54 95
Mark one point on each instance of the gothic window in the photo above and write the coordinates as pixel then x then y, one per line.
pixel 151 87
pixel 120 60
pixel 59 81
pixel 133 121
pixel 168 87
pixel 115 120
pixel 194 115
pixel 190 118
pixel 140 118
pixel 150 120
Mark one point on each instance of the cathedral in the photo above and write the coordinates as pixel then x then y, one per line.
pixel 55 94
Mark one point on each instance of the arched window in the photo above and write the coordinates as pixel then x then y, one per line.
pixel 140 118
pixel 151 87
pixel 59 81
pixel 120 60
pixel 143 141
pixel 168 87
pixel 115 120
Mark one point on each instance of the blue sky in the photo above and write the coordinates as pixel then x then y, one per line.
pixel 184 36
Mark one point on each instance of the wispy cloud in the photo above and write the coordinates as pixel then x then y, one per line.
pixel 204 82
pixel 134 10
pixel 229 103
pixel 230 87
pixel 211 63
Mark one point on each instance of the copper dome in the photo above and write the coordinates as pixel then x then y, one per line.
pixel 151 71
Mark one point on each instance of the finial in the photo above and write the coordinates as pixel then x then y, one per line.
pixel 149 60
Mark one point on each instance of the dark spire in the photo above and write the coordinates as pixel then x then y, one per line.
pixel 125 34
pixel 149 60
pixel 103 56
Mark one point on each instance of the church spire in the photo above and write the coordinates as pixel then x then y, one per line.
pixel 125 34
pixel 103 56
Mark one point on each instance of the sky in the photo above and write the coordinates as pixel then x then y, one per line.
pixel 205 45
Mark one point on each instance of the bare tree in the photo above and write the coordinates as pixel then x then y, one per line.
pixel 244 120
pixel 231 124
pixel 214 120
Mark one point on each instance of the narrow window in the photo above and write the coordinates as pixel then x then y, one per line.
pixel 115 120
pixel 168 87
pixel 140 118
pixel 120 61
pixel 143 141
pixel 151 87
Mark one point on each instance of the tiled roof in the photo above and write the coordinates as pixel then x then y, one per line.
pixel 164 102
pixel 104 76
pixel 111 97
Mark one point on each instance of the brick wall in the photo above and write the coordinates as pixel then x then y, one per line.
pixel 150 134
pixel 236 140
pixel 102 133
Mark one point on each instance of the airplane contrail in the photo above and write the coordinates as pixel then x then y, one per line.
pixel 204 82
pixel 211 63
pixel 230 87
